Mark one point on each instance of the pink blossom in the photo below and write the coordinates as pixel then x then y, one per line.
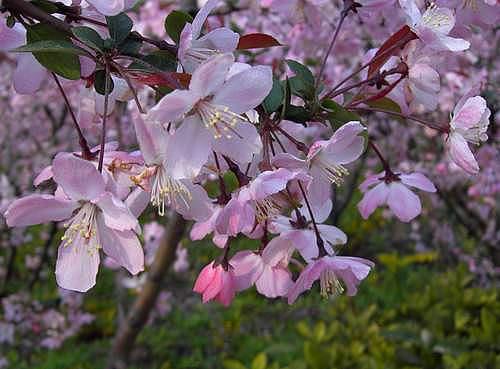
pixel 255 203
pixel 171 164
pixel 391 189
pixel 96 219
pixel 432 27
pixel 111 7
pixel 216 282
pixel 194 50
pixel 469 124
pixel 211 109
pixel 329 269
pixel 267 270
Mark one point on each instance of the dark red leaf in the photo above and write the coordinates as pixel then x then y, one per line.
pixel 168 79
pixel 257 41
pixel 389 48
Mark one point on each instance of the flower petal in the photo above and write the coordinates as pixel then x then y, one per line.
pixel 172 107
pixel 37 209
pixel 461 154
pixel 221 39
pixel 245 90
pixel 122 246
pixel 77 265
pixel 403 202
pixel 115 213
pixel 373 198
pixel 418 180
pixel 69 170
pixel 210 76
pixel 29 74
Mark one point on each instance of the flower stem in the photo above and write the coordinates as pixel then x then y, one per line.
pixel 86 154
pixel 319 240
pixel 105 117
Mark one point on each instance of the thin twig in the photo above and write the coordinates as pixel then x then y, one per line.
pixel 105 117
pixel 81 138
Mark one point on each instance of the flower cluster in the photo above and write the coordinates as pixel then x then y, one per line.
pixel 274 138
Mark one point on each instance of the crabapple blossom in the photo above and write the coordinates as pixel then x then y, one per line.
pixel 433 26
pixel 328 270
pixel 469 124
pixel 216 282
pixel 95 219
pixel 195 49
pixel 389 188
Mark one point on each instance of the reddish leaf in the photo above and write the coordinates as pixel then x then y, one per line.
pixel 167 79
pixel 379 95
pixel 389 48
pixel 257 41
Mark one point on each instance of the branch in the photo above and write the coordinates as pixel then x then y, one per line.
pixel 145 302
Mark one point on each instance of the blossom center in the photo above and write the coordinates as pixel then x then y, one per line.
pixel 199 54
pixel 333 172
pixel 166 191
pixel 433 18
pixel 266 209
pixel 329 284
pixel 219 119
pixel 83 226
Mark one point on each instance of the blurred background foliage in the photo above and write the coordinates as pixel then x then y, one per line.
pixel 412 312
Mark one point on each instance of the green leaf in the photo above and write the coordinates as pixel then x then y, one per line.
pixel 275 98
pixel 386 104
pixel 46 6
pixel 130 47
pixel 175 22
pixel 233 364
pixel 158 61
pixel 119 27
pixel 100 82
pixel 56 52
pixel 51 46
pixel 297 114
pixel 301 71
pixel 89 37
pixel 337 114
pixel 260 361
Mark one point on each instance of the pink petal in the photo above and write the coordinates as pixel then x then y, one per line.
pixel 307 277
pixel 68 173
pixel 371 180
pixel 418 180
pixel 469 114
pixel 188 149
pixel 37 209
pixel 115 213
pixel 304 241
pixel 137 201
pixel 274 282
pixel 277 250
pixel 77 265
pixel 221 39
pixel 245 90
pixel 152 139
pixel 198 206
pixel 351 270
pixel 242 146
pixel 228 291
pixel 269 182
pixel 202 16
pixel 10 38
pixel 172 107
pixel 29 74
pixel 403 202
pixel 123 247
pixel 235 217
pixel 247 267
pixel 288 161
pixel 108 7
pixel 461 154
pixel 332 235
pixel 209 77
pixel 372 199
pixel 205 277
pixel 44 175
